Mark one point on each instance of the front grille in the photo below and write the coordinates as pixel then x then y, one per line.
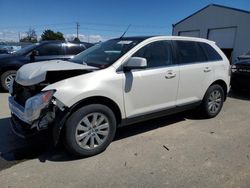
pixel 243 69
pixel 22 93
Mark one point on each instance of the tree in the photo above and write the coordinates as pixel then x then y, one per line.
pixel 31 36
pixel 76 39
pixel 51 35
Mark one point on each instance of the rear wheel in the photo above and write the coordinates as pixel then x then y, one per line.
pixel 7 78
pixel 212 101
pixel 90 130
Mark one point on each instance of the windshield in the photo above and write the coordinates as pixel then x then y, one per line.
pixel 25 49
pixel 105 54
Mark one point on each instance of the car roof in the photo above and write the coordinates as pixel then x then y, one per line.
pixel 135 37
pixel 61 41
pixel 160 37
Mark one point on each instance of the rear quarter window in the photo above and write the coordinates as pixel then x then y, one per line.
pixel 212 54
pixel 189 52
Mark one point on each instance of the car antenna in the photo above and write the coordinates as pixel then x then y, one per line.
pixel 125 31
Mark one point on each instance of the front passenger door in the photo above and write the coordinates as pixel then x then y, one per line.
pixel 154 88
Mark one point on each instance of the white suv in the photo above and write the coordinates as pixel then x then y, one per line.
pixel 116 83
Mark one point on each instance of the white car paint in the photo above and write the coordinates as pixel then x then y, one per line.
pixel 144 91
pixel 34 73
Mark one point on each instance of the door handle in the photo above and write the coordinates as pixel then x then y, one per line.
pixel 170 74
pixel 207 69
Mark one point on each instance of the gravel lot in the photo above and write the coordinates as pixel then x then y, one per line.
pixel 174 151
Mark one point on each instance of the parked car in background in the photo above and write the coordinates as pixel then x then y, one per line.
pixel 115 83
pixel 240 78
pixel 244 56
pixel 47 50
pixel 5 49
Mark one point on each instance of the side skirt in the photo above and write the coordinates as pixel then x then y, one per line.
pixel 153 115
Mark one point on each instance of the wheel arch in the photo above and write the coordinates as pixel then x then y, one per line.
pixel 63 116
pixel 223 85
pixel 9 68
pixel 99 100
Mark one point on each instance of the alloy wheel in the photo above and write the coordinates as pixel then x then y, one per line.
pixel 9 79
pixel 92 131
pixel 214 101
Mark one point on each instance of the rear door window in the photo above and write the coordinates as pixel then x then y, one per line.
pixel 51 49
pixel 189 52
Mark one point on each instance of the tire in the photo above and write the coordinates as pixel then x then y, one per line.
pixel 212 102
pixel 80 131
pixel 6 79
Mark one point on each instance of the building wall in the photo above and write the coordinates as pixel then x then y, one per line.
pixel 217 17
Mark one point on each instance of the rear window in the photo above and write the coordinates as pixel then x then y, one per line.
pixel 212 54
pixel 74 49
pixel 190 52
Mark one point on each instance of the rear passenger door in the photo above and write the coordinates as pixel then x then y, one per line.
pixel 196 72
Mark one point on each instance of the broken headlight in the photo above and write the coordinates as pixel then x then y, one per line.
pixel 35 104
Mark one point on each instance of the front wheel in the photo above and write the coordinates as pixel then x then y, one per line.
pixel 212 101
pixel 90 130
pixel 7 78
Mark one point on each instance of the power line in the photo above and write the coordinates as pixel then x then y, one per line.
pixel 37 25
pixel 88 23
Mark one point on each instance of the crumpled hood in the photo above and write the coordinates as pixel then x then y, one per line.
pixel 34 73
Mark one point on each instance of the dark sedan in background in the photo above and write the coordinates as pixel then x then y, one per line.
pixel 240 78
pixel 47 50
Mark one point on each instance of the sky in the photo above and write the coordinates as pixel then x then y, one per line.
pixel 99 19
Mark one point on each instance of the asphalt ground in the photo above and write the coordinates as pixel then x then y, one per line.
pixel 180 150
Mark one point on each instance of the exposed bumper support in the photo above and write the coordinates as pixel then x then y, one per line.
pixel 21 129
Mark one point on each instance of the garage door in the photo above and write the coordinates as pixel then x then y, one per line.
pixel 195 33
pixel 224 37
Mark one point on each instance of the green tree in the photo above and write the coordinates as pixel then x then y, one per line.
pixel 76 39
pixel 31 36
pixel 51 35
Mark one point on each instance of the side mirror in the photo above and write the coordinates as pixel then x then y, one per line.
pixel 135 63
pixel 34 53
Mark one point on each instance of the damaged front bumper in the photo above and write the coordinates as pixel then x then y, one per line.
pixel 22 129
pixel 34 117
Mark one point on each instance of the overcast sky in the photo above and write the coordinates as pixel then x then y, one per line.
pixel 99 19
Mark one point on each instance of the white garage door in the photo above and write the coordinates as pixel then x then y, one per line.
pixel 195 33
pixel 224 37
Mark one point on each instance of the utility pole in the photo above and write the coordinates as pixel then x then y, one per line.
pixel 77 29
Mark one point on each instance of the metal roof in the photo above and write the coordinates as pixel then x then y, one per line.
pixel 214 5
